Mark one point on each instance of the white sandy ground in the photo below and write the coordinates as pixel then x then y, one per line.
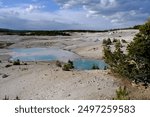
pixel 44 80
pixel 47 81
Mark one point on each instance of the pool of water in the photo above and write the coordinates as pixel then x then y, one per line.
pixel 42 54
pixel 87 64
pixel 51 54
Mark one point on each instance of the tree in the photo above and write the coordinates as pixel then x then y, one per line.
pixel 139 52
pixel 136 63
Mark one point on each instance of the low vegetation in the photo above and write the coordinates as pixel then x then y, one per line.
pixel 115 40
pixel 68 66
pixel 134 65
pixel 33 32
pixel 122 94
pixel 43 33
pixel 54 32
pixel 5 76
pixel 8 65
pixel 95 67
pixel 17 62
pixel 136 27
pixel 25 63
pixel 7 98
pixel 105 67
pixel 107 42
pixel 124 41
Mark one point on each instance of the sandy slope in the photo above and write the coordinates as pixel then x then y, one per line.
pixel 46 81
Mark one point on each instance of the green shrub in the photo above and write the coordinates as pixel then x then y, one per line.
pixel 105 68
pixel 115 40
pixel 17 98
pixel 122 94
pixel 6 98
pixel 107 42
pixel 136 26
pixel 17 62
pixel 8 66
pixel 68 66
pixel 25 64
pixel 134 65
pixel 5 76
pixel 124 41
pixel 71 64
pixel 95 67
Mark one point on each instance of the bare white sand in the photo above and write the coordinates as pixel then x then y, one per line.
pixel 46 81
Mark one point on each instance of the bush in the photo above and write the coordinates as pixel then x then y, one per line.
pixel 68 66
pixel 25 64
pixel 105 68
pixel 124 41
pixel 58 64
pixel 122 94
pixel 17 98
pixel 71 64
pixel 5 76
pixel 107 42
pixel 136 26
pixel 95 67
pixel 115 40
pixel 6 98
pixel 8 66
pixel 17 62
pixel 134 65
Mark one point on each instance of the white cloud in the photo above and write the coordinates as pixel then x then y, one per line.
pixel 108 3
pixel 122 10
pixel 31 7
pixel 61 19
pixel 76 14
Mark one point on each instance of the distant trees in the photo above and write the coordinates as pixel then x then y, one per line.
pixel 34 32
pixel 136 63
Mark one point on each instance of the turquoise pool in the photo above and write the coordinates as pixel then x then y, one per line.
pixel 51 54
pixel 42 54
pixel 87 64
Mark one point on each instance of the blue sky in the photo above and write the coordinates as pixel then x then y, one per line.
pixel 72 14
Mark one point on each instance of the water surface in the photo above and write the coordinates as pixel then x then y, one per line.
pixel 42 54
pixel 52 54
pixel 87 64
